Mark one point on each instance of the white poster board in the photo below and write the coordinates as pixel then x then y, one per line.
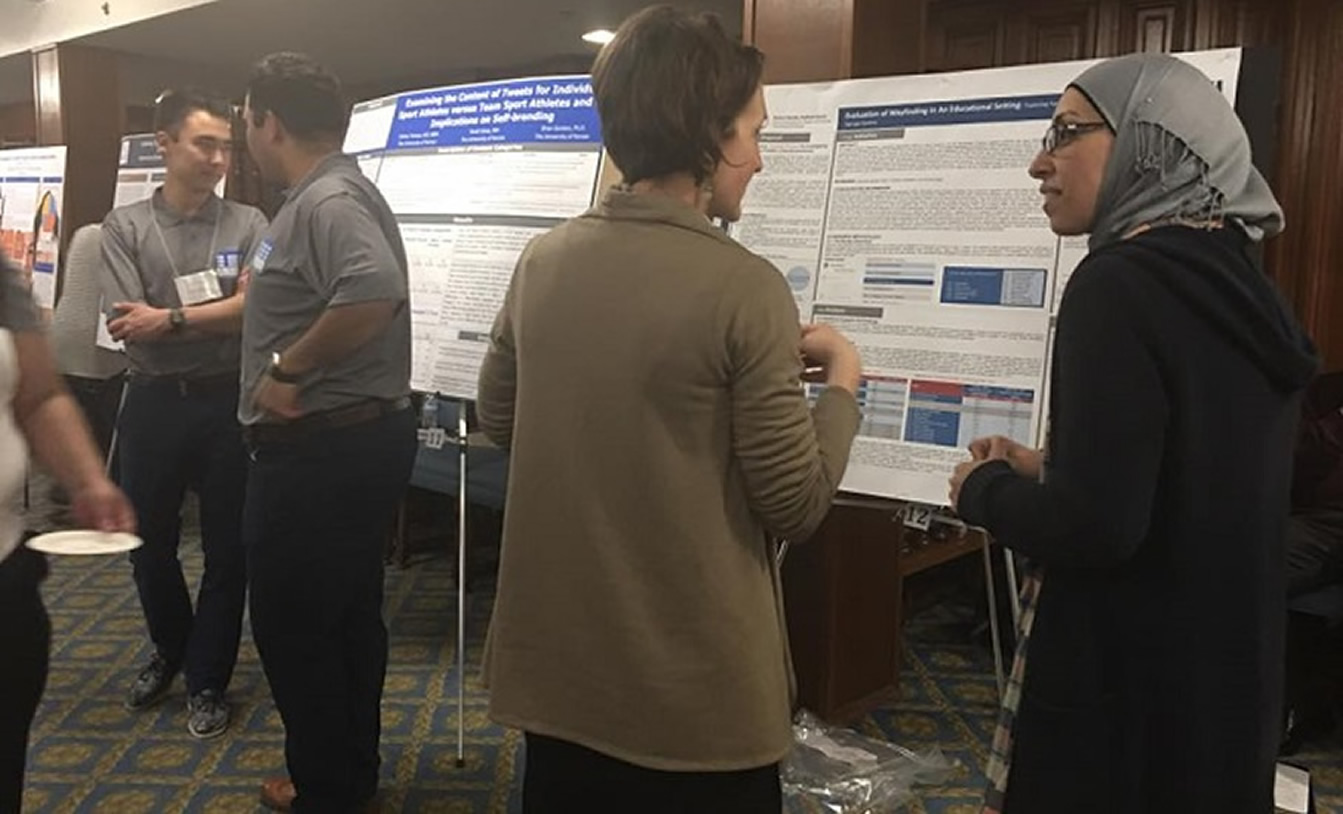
pixel 473 173
pixel 139 171
pixel 32 187
pixel 899 210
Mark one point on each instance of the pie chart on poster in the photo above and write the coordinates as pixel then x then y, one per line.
pixel 84 542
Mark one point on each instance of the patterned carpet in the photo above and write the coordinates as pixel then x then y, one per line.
pixel 88 754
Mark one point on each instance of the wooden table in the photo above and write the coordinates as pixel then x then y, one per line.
pixel 844 594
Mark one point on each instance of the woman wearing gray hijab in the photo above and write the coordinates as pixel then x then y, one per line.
pixel 1152 524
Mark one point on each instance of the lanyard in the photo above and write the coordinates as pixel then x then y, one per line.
pixel 172 263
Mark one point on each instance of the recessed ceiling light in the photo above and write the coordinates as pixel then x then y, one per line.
pixel 599 36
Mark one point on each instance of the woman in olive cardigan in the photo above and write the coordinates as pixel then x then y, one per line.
pixel 645 373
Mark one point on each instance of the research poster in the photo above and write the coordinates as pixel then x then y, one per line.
pixel 473 173
pixel 140 170
pixel 32 182
pixel 900 210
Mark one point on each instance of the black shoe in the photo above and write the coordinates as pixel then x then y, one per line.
pixel 152 684
pixel 207 714
pixel 1304 728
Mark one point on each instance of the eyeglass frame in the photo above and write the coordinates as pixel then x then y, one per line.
pixel 1065 133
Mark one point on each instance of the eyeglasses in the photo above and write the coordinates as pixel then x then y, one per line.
pixel 1061 134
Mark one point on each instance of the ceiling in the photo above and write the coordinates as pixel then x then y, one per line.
pixel 372 43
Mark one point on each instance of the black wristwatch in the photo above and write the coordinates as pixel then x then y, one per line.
pixel 177 319
pixel 277 373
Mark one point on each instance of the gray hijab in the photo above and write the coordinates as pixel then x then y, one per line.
pixel 1180 151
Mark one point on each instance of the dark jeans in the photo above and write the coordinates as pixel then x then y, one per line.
pixel 319 510
pixel 562 777
pixel 25 641
pixel 168 442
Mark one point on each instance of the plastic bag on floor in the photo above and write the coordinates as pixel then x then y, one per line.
pixel 847 773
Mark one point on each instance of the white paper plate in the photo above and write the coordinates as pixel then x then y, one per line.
pixel 84 542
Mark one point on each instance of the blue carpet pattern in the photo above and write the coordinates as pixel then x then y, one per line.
pixel 88 754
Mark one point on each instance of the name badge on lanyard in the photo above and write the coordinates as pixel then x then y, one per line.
pixel 194 289
pixel 227 265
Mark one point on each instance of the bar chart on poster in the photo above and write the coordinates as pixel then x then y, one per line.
pixel 32 185
pixel 473 173
pixel 899 210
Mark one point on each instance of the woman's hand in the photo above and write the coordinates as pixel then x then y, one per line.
pixel 1025 461
pixel 101 505
pixel 824 347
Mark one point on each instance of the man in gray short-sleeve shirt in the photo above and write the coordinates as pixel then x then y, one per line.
pixel 171 286
pixel 326 380
pixel 334 243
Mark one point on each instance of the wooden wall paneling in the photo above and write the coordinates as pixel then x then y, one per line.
pixel 18 125
pixel 77 95
pixel 1061 37
pixel 1307 258
pixel 1108 16
pixel 1258 23
pixel 963 36
pixel 137 119
pixel 47 96
pixel 813 40
pixel 1206 22
pixel 803 40
pixel 1154 30
pixel 1292 176
pixel 887 37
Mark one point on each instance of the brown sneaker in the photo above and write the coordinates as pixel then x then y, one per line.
pixel 277 794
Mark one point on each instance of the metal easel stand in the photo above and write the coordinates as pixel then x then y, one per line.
pixel 994 634
pixel 116 423
pixel 943 516
pixel 461 582
pixel 1010 560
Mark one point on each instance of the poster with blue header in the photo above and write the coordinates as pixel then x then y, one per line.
pixel 900 211
pixel 473 173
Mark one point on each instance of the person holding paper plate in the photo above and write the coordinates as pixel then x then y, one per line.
pixel 645 373
pixel 170 282
pixel 1149 672
pixel 36 412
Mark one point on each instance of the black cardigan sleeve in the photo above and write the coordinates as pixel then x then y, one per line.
pixel 1108 424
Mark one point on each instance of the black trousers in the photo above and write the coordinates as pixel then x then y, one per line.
pixel 25 641
pixel 1314 550
pixel 564 778
pixel 318 514
pixel 170 441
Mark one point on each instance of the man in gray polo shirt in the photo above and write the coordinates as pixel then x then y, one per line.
pixel 326 381
pixel 170 286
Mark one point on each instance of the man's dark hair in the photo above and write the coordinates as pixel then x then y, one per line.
pixel 173 107
pixel 668 89
pixel 304 96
